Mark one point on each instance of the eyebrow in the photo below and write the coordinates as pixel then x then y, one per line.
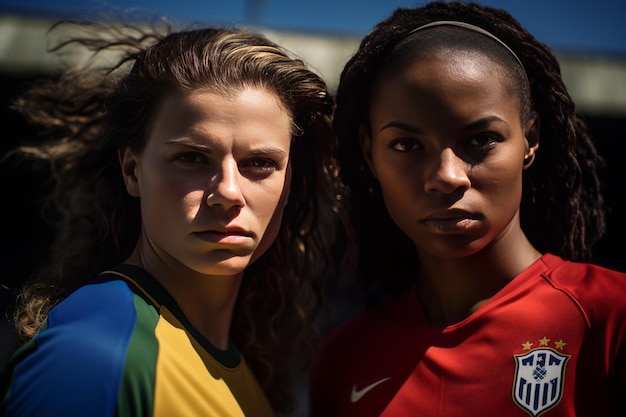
pixel 478 124
pixel 189 144
pixel 484 122
pixel 402 126
pixel 204 148
pixel 269 151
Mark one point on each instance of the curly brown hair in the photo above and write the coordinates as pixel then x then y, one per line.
pixel 92 111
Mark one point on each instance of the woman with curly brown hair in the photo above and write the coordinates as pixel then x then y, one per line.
pixel 198 173
pixel 476 198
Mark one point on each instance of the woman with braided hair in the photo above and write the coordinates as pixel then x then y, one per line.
pixel 476 198
pixel 198 172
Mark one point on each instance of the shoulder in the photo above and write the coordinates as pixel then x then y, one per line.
pixel 93 316
pixel 579 276
pixel 596 289
pixel 557 265
pixel 75 363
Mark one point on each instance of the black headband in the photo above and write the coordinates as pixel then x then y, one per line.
pixel 472 28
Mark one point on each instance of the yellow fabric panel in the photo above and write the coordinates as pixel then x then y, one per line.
pixel 190 382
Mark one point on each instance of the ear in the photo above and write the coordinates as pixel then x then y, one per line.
pixel 128 163
pixel 531 133
pixel 365 139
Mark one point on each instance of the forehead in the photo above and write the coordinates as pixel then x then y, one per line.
pixel 446 86
pixel 457 38
pixel 445 69
pixel 449 39
pixel 463 51
pixel 455 55
pixel 252 115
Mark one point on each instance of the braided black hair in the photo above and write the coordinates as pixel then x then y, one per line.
pixel 562 206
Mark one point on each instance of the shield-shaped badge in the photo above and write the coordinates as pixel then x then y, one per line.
pixel 538 384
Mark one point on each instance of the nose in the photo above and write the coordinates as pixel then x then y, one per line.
pixel 225 189
pixel 449 174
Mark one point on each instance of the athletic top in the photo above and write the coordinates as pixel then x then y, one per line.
pixel 121 346
pixel 551 343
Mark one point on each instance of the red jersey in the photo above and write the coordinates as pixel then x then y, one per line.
pixel 549 343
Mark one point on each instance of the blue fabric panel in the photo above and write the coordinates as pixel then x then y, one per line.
pixel 78 363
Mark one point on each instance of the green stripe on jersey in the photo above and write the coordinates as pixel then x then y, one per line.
pixel 137 389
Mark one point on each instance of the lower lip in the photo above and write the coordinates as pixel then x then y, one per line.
pixel 223 238
pixel 450 225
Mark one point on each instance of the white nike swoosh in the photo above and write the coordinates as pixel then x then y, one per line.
pixel 357 395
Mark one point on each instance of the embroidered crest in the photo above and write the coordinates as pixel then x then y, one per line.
pixel 539 376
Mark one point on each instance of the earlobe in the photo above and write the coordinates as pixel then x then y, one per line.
pixel 532 140
pixel 365 140
pixel 128 164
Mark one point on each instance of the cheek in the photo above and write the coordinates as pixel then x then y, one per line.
pixel 503 192
pixel 272 228
pixel 192 202
pixel 269 215
pixel 270 204
pixel 398 180
pixel 171 198
pixel 395 193
pixel 401 194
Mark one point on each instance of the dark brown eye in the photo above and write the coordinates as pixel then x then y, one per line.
pixel 405 145
pixel 262 164
pixel 487 140
pixel 191 158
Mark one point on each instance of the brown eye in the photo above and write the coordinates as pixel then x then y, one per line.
pixel 484 141
pixel 262 164
pixel 405 145
pixel 191 158
pixel 259 167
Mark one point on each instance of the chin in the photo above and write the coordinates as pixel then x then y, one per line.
pixel 233 265
pixel 453 248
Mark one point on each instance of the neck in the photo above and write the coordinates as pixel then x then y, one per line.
pixel 208 302
pixel 452 289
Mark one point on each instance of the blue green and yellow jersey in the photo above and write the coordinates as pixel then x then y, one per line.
pixel 121 346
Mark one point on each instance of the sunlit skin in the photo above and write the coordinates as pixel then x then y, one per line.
pixel 447 146
pixel 212 182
